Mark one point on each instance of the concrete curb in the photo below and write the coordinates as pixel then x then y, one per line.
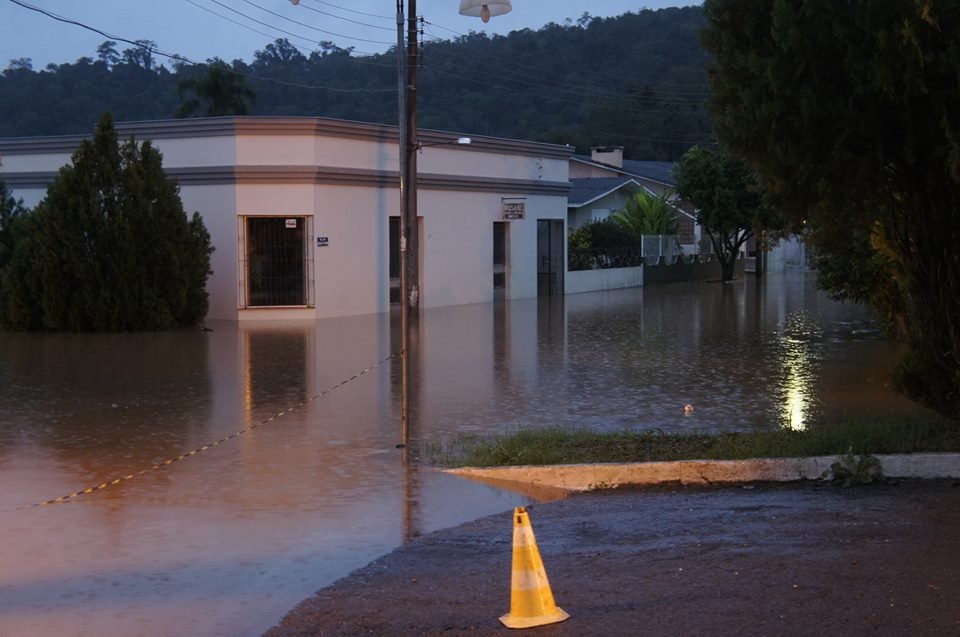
pixel 586 477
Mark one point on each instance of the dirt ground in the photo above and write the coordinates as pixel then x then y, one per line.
pixel 797 559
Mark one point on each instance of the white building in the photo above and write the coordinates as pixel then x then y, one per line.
pixel 304 212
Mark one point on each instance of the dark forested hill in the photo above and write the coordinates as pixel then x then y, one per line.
pixel 637 80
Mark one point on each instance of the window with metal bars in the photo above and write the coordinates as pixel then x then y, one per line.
pixel 499 255
pixel 276 261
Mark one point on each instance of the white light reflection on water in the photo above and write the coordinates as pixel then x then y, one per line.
pixel 225 542
pixel 798 340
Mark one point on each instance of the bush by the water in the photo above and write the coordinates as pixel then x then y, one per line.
pixel 599 242
pixel 109 248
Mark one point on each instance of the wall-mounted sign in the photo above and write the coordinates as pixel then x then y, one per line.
pixel 291 224
pixel 323 241
pixel 514 208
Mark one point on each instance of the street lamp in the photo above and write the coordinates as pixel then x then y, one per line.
pixel 484 9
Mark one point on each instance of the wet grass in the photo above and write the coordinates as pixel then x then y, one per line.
pixel 555 445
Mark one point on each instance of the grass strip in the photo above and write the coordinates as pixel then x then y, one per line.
pixel 559 445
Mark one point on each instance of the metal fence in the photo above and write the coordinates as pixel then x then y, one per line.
pixel 601 259
pixel 652 249
pixel 660 245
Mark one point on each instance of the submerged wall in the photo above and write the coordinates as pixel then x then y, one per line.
pixel 654 271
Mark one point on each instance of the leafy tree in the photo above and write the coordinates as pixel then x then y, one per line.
pixel 109 248
pixel 726 199
pixel 281 53
pixel 140 55
pixel 21 64
pixel 848 113
pixel 648 214
pixel 220 92
pixel 107 53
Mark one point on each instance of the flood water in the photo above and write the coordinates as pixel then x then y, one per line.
pixel 225 541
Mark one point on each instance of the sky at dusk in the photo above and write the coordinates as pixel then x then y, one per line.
pixel 202 29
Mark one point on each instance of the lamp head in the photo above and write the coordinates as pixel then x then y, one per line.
pixel 484 9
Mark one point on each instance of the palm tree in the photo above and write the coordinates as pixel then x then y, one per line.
pixel 648 214
pixel 220 92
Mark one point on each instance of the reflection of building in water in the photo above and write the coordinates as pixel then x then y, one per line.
pixel 277 370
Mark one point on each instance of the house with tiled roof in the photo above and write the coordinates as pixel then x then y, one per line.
pixel 596 198
pixel 657 176
pixel 602 182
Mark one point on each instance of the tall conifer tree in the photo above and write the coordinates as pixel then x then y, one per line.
pixel 109 248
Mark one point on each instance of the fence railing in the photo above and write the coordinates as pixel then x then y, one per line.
pixel 602 259
pixel 660 245
pixel 652 249
pixel 626 258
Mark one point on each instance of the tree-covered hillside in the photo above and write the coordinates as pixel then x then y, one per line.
pixel 637 80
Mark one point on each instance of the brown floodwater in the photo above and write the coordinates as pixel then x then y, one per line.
pixel 306 484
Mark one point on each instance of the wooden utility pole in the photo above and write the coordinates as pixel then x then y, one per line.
pixel 409 230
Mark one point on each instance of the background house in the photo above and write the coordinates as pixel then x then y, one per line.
pixel 304 212
pixel 606 168
pixel 596 198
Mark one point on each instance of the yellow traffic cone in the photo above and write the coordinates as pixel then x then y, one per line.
pixel 531 602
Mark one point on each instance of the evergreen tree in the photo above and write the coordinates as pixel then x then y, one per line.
pixel 109 248
pixel 11 214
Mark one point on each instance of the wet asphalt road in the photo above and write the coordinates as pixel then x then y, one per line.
pixel 797 559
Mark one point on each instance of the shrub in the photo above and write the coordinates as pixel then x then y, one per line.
pixel 109 248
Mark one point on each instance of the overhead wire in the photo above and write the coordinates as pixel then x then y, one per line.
pixel 180 58
pixel 273 26
pixel 371 15
pixel 333 15
pixel 302 50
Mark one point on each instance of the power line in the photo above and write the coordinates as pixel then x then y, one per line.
pixel 229 19
pixel 180 58
pixel 371 15
pixel 273 26
pixel 333 15
pixel 304 24
pixel 59 18
pixel 270 35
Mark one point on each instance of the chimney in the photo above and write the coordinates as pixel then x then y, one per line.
pixel 610 155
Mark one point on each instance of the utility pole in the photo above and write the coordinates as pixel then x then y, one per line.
pixel 409 230
pixel 402 143
pixel 409 235
pixel 407 149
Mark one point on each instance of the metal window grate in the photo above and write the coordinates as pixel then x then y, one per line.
pixel 394 273
pixel 276 261
pixel 499 255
